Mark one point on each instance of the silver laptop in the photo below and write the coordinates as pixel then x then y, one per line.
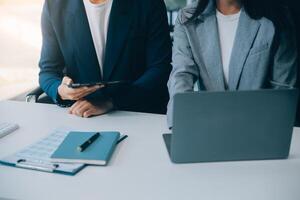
pixel 232 126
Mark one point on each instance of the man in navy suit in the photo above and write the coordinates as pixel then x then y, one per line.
pixel 86 41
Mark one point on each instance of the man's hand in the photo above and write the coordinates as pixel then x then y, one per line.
pixel 67 93
pixel 84 108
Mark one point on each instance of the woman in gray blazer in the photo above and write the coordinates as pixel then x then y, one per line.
pixel 232 45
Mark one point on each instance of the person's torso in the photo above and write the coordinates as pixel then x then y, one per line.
pixel 251 54
pixel 125 48
pixel 227 27
pixel 98 17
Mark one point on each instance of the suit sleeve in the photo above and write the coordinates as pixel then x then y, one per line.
pixel 185 71
pixel 150 88
pixel 51 62
pixel 285 66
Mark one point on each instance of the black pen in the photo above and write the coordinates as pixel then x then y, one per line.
pixel 87 143
pixel 122 138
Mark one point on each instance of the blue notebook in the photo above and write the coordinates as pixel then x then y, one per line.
pixel 98 153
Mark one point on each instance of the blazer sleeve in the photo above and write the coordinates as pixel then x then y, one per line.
pixel 185 71
pixel 51 61
pixel 285 66
pixel 150 87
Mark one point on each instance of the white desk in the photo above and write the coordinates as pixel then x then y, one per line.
pixel 140 169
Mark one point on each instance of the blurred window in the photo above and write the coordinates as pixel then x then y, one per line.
pixel 20 42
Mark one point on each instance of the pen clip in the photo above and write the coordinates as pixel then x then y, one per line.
pixel 22 163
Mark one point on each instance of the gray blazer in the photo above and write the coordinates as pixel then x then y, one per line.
pixel 259 60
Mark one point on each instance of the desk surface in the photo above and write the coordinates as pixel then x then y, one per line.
pixel 140 168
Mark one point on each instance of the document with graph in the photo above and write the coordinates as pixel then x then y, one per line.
pixel 37 156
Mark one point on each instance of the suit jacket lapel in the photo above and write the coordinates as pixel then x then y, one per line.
pixel 245 37
pixel 86 54
pixel 211 51
pixel 119 26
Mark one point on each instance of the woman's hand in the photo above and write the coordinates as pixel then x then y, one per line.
pixel 67 93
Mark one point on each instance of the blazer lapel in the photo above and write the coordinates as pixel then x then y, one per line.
pixel 119 26
pixel 211 51
pixel 245 37
pixel 86 54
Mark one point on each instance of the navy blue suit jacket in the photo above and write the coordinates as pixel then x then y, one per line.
pixel 138 50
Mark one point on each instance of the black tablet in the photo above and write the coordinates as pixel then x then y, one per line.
pixel 109 83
